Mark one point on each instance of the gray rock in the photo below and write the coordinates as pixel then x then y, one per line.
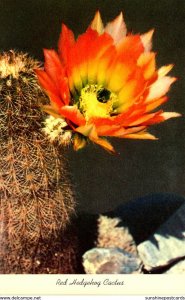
pixel 167 244
pixel 110 261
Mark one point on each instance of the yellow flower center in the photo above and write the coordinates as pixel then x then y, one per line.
pixel 96 101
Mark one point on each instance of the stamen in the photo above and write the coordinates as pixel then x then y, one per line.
pixel 96 101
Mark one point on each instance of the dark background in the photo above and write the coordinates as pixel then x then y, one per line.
pixel 103 181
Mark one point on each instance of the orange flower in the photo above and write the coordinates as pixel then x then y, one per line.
pixel 105 83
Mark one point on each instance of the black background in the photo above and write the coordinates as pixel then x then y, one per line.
pixel 103 181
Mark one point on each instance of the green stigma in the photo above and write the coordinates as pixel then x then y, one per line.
pixel 96 101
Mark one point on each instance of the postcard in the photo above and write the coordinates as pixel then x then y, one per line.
pixel 92 148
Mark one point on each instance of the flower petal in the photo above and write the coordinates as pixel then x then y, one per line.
pixel 56 72
pixel 65 43
pixel 45 81
pixel 103 75
pixel 147 62
pixel 117 131
pixel 113 130
pixel 160 87
pixel 155 103
pixel 105 144
pixel 49 87
pixel 53 65
pixel 97 23
pixel 78 59
pixel 86 130
pixel 91 133
pixel 160 117
pixel 130 48
pixel 142 135
pixel 142 120
pixel 127 96
pixel 120 74
pixel 79 142
pixel 146 39
pixel 169 115
pixel 103 44
pixel 49 109
pixel 73 114
pixel 164 70
pixel 117 29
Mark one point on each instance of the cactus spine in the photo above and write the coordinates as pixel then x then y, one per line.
pixel 35 193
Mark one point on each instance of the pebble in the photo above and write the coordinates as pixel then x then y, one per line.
pixel 110 261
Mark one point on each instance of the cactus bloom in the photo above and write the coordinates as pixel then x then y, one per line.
pixel 105 83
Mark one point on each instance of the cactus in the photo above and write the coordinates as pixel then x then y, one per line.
pixel 35 192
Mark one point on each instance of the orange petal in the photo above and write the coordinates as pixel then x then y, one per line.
pixel 160 117
pixel 75 80
pixel 87 130
pixel 142 135
pixel 79 54
pixel 117 29
pixel 52 65
pixel 119 75
pixel 65 43
pixel 117 131
pixel 51 111
pixel 91 133
pixel 108 130
pixel 103 121
pixel 127 96
pixel 45 81
pixel 85 44
pixel 105 144
pixel 97 23
pixel 64 90
pixel 155 103
pixel 130 48
pixel 131 130
pixel 49 87
pixel 147 62
pixel 73 114
pixel 56 72
pixel 104 65
pixel 101 45
pixel 78 59
pixel 79 142
pixel 144 119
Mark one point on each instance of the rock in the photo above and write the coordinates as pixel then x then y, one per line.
pixel 167 244
pixel 110 261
